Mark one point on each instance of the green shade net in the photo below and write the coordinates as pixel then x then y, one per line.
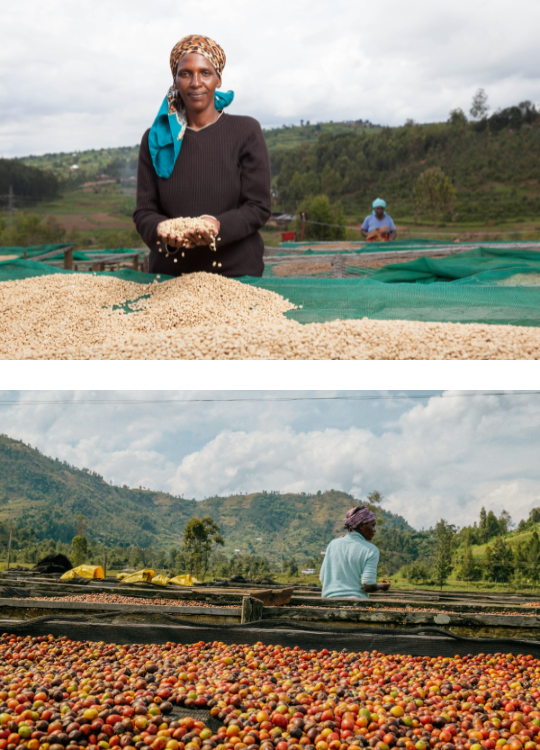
pixel 36 250
pixel 25 269
pixel 464 267
pixel 331 299
pixel 441 292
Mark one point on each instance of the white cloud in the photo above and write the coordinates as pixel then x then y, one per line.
pixel 444 457
pixel 93 73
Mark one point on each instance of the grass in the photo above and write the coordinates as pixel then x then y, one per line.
pixel 92 218
pixel 511 538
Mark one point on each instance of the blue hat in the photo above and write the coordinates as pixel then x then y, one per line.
pixel 378 202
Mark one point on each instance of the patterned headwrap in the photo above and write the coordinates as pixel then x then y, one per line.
pixel 167 132
pixel 357 516
pixel 202 45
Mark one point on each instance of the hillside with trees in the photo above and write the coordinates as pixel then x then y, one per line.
pixel 487 168
pixel 45 498
pixel 50 506
pixel 73 169
pixel 27 182
pixel 491 552
pixel 493 164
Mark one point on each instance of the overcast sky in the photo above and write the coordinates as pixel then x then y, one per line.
pixel 445 455
pixel 93 73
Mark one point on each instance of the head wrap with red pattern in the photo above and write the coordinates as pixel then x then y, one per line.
pixel 357 516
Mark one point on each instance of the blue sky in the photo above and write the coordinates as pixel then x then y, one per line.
pixel 92 74
pixel 443 455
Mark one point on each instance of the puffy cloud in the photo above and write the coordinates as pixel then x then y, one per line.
pixel 93 73
pixel 443 457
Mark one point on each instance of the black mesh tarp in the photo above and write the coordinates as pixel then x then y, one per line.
pixel 424 641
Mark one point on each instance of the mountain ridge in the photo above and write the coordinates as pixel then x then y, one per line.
pixel 47 495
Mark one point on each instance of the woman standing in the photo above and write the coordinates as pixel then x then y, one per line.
pixel 378 225
pixel 197 161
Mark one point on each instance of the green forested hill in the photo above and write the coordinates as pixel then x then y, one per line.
pixel 45 496
pixel 115 163
pixel 121 162
pixel 27 182
pixel 494 165
pixel 287 523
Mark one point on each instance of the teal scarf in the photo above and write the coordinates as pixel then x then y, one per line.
pixel 167 132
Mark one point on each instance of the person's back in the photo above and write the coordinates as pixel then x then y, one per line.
pixel 350 562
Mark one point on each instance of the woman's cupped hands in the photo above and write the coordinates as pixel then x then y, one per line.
pixel 191 237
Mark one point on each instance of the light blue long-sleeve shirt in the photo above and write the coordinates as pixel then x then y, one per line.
pixel 350 561
pixel 372 222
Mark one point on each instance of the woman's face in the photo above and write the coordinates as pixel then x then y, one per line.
pixel 367 530
pixel 196 80
pixel 379 212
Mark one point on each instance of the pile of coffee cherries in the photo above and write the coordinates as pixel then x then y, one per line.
pixel 58 694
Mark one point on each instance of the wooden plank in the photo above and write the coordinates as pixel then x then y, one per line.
pixel 109 258
pixel 62 250
pixel 68 259
pixel 89 607
pixel 147 591
pixel 252 609
pixel 370 603
pixel 409 618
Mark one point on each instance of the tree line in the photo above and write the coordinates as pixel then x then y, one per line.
pixel 27 182
pixel 198 553
pixel 502 560
pixel 352 169
pixel 429 556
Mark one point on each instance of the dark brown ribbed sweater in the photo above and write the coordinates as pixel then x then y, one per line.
pixel 222 170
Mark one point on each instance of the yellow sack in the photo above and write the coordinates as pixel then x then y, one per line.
pixel 84 571
pixel 186 580
pixel 140 576
pixel 161 580
pixel 120 576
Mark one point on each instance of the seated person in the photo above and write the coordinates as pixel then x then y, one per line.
pixel 378 227
pixel 349 570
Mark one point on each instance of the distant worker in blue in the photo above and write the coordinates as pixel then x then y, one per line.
pixel 349 570
pixel 378 226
